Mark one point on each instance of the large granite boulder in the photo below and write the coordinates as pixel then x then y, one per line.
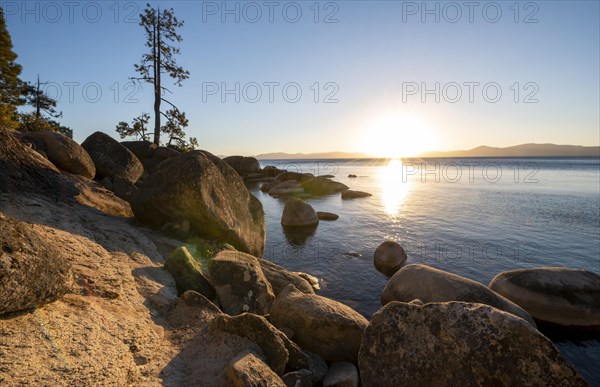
pixel 33 270
pixel 240 283
pixel 63 152
pixel 456 343
pixel 433 285
pixel 555 295
pixel 206 191
pixel 111 158
pixel 24 170
pixel 389 257
pixel 243 165
pixel 188 273
pixel 326 327
pixel 297 213
pixel 149 154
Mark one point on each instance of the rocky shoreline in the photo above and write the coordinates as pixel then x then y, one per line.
pixel 126 263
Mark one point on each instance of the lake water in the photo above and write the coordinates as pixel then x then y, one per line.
pixel 473 217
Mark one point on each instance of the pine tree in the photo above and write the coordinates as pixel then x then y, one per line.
pixel 161 33
pixel 138 129
pixel 10 84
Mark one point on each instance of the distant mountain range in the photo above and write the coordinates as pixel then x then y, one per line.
pixel 523 150
pixel 304 156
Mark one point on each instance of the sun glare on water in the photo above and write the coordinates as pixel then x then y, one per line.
pixel 394 187
pixel 396 135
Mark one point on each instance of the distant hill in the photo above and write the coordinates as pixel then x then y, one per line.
pixel 523 150
pixel 323 155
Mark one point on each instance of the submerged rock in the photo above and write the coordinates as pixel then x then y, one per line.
pixel 240 283
pixel 206 191
pixel 288 187
pixel 350 194
pixel 33 271
pixel 297 213
pixel 556 295
pixel 389 257
pixel 328 216
pixel 111 158
pixel 456 343
pixel 326 327
pixel 433 285
pixel 322 186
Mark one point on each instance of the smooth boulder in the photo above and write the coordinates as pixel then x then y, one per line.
pixel 297 213
pixel 240 283
pixel 149 154
pixel 326 327
pixel 65 153
pixel 327 216
pixel 33 270
pixel 288 187
pixel 433 285
pixel 456 343
pixel 206 191
pixel 322 186
pixel 555 295
pixel 389 257
pixel 111 158
pixel 244 166
pixel 188 273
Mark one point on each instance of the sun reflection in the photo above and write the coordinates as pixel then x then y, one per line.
pixel 394 188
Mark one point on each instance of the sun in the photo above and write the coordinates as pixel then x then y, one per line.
pixel 397 135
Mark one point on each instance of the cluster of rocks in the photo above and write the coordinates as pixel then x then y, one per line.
pixel 435 327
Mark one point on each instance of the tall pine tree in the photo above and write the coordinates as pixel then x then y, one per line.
pixel 10 84
pixel 161 33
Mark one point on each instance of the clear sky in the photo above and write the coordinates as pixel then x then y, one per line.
pixel 369 72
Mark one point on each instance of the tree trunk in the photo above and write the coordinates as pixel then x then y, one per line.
pixel 37 99
pixel 157 90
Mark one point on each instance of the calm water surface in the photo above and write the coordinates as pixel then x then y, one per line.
pixel 473 217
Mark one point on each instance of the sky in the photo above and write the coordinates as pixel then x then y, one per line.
pixel 388 78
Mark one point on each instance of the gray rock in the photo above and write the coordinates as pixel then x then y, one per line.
pixel 33 269
pixel 248 370
pixel 433 285
pixel 244 166
pixel 240 283
pixel 341 374
pixel 188 273
pixel 124 189
pixel 111 158
pixel 350 194
pixel 329 216
pixel 456 343
pixel 289 175
pixel 556 295
pixel 389 257
pixel 297 213
pixel 65 153
pixel 206 191
pixel 271 171
pixel 326 327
